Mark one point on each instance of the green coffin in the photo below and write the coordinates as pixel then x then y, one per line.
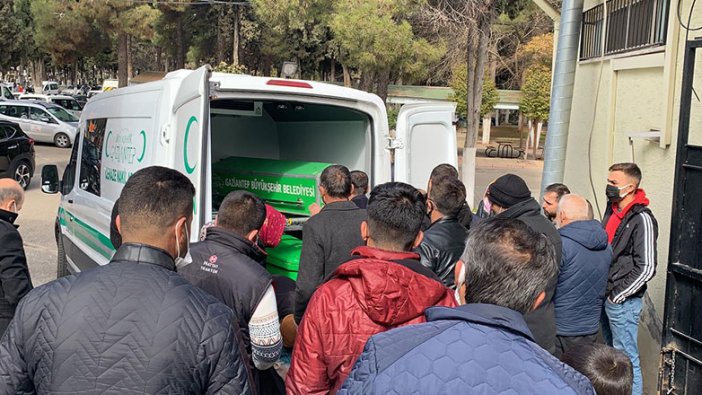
pixel 284 260
pixel 289 186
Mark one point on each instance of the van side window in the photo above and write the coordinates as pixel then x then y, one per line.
pixel 69 175
pixel 91 160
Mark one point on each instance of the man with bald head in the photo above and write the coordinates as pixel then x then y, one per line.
pixel 582 280
pixel 15 281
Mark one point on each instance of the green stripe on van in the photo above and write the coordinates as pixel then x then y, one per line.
pixel 89 235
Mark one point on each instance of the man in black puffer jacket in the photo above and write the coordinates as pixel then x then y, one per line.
pixel 511 198
pixel 133 326
pixel 445 239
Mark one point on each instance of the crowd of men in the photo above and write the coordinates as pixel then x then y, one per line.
pixel 399 290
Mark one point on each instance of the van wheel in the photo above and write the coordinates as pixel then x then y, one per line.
pixel 61 140
pixel 62 262
pixel 22 173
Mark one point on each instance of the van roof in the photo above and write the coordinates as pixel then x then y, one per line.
pixel 242 82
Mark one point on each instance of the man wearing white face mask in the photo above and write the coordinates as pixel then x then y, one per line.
pixel 15 281
pixel 133 325
pixel 632 231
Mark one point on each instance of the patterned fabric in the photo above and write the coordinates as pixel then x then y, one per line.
pixel 272 230
pixel 474 348
pixel 123 328
pixel 264 330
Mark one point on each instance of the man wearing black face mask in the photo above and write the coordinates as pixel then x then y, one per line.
pixel 15 281
pixel 632 232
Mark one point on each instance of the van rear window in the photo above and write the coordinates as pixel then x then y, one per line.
pixel 91 155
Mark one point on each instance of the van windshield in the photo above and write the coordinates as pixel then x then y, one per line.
pixel 62 114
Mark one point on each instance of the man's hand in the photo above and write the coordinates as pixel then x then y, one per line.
pixel 314 209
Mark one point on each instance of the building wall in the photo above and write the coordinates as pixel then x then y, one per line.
pixel 613 98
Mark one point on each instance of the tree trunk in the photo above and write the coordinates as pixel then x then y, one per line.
pixel 38 75
pixel 159 54
pixel 122 54
pixel 235 35
pixel 366 83
pixel 332 70
pixel 383 81
pixel 537 136
pixel 486 129
pixel 130 58
pixel 476 58
pixel 222 34
pixel 180 42
pixel 347 75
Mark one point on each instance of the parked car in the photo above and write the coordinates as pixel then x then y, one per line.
pixel 50 87
pixel 93 92
pixel 44 122
pixel 81 99
pixel 16 154
pixel 67 102
pixel 6 92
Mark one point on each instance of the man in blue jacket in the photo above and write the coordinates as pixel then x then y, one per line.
pixel 582 280
pixel 484 345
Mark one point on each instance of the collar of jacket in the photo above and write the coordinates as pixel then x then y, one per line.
pixel 443 220
pixel 142 253
pixel 376 253
pixel 239 244
pixel 340 206
pixel 529 206
pixel 485 314
pixel 8 216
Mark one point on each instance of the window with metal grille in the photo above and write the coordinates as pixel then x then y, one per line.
pixel 631 25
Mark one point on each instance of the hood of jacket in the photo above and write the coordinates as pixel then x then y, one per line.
pixel 589 234
pixel 389 292
pixel 527 207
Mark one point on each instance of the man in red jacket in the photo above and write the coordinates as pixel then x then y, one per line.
pixel 383 287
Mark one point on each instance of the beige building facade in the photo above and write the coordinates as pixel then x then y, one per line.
pixel 626 107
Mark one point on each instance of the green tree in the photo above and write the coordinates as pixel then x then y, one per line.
pixel 536 93
pixel 458 83
pixel 377 39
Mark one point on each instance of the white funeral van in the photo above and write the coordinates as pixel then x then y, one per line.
pixel 193 118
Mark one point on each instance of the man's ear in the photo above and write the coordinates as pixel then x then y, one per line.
pixel 216 221
pixel 457 272
pixel 118 224
pixel 418 239
pixel 365 235
pixel 353 189
pixel 539 299
pixel 251 236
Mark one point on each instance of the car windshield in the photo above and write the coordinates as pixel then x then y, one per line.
pixel 62 114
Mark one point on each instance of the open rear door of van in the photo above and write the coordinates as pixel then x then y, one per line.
pixel 191 110
pixel 424 137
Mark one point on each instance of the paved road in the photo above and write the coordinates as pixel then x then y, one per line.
pixel 38 215
pixel 36 220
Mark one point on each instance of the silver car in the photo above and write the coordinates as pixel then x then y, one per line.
pixel 44 122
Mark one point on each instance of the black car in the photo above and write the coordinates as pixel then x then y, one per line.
pixel 16 154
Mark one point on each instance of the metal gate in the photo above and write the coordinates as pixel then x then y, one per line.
pixel 681 365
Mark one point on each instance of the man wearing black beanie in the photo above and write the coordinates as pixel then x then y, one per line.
pixel 511 198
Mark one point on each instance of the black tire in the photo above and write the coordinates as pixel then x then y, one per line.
pixel 22 173
pixel 62 140
pixel 62 262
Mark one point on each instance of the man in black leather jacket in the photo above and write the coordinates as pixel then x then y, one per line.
pixel 445 239
pixel 133 325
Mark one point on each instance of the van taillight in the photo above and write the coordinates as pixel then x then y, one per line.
pixel 31 141
pixel 289 83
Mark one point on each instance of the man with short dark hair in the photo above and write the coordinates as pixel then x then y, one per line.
pixel 445 238
pixel 133 325
pixel 384 286
pixel 552 195
pixel 511 198
pixel 359 180
pixel 582 279
pixel 632 231
pixel 485 344
pixel 15 281
pixel 465 215
pixel 328 237
pixel 608 369
pixel 228 264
